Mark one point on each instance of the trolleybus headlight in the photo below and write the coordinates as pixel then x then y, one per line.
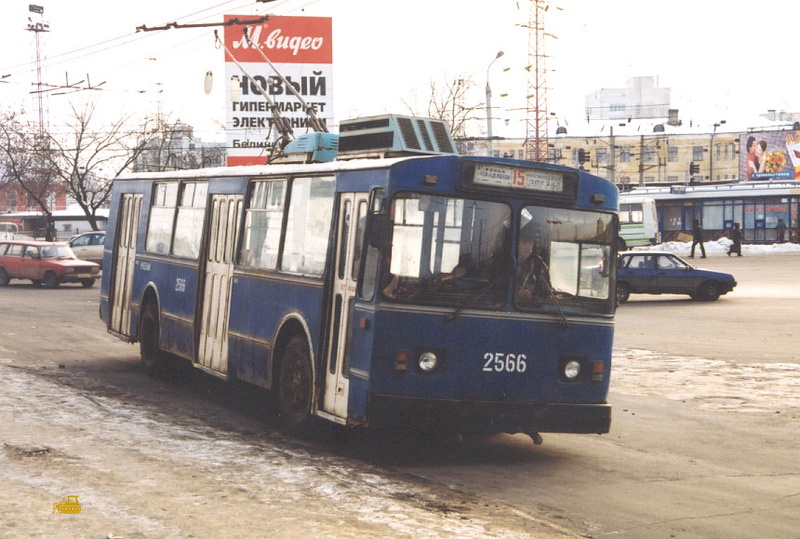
pixel 428 362
pixel 572 369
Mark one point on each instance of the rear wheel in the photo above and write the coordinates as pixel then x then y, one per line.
pixel 295 387
pixel 709 291
pixel 153 357
pixel 50 280
pixel 623 293
pixel 4 278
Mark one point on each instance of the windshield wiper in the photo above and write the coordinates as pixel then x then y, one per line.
pixel 544 277
pixel 490 283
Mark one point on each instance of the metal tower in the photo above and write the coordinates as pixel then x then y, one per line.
pixel 38 26
pixel 536 117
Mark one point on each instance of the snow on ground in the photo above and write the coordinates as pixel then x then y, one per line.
pixel 720 248
pixel 711 384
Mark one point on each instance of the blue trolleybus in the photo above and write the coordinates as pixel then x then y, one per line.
pixel 385 288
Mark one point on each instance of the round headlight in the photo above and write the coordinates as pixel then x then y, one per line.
pixel 572 369
pixel 428 361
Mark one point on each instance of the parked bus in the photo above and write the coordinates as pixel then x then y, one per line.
pixel 638 222
pixel 424 291
pixel 758 206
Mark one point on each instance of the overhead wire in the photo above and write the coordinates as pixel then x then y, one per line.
pixel 126 39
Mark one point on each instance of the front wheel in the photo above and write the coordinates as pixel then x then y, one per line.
pixel 50 280
pixel 710 291
pixel 623 293
pixel 88 283
pixel 295 385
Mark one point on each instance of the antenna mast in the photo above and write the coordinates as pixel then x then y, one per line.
pixel 37 28
pixel 536 117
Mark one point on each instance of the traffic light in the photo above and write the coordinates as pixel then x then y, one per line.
pixel 694 168
pixel 583 156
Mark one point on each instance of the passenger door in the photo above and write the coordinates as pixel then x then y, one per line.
pixel 352 218
pixel 31 264
pixel 673 277
pixel 641 273
pixel 212 351
pixel 123 263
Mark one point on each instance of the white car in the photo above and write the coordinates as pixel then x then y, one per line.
pixel 89 246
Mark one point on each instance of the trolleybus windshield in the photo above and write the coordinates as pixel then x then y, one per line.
pixel 458 252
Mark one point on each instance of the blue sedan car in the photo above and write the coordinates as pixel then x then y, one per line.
pixel 655 272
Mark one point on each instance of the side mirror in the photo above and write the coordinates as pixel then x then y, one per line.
pixel 380 231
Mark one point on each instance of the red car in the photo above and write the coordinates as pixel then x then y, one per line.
pixel 45 262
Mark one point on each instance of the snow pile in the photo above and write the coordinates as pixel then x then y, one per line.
pixel 720 247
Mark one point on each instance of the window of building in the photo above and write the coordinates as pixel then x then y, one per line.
pixel 625 155
pixel 672 154
pixel 697 153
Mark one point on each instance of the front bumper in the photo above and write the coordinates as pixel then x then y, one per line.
pixel 488 417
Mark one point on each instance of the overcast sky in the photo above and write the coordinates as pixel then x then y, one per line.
pixel 722 60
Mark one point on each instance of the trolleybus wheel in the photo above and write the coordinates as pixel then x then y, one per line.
pixel 149 341
pixel 295 387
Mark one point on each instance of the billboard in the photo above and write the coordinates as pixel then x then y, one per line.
pixel 301 49
pixel 769 155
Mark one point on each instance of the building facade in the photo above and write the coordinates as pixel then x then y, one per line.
pixel 655 158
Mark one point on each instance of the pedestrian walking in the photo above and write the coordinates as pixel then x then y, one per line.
pixel 697 238
pixel 736 237
pixel 780 230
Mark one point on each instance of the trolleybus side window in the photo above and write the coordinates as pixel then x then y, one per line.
pixel 308 226
pixel 189 221
pixel 162 217
pixel 262 228
pixel 361 225
pixel 366 285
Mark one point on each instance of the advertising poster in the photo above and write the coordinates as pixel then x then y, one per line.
pixel 301 49
pixel 769 155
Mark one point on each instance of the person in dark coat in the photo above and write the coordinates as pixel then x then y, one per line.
pixel 780 229
pixel 697 238
pixel 736 237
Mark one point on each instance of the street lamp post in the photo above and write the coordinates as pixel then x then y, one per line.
pixel 489 106
pixel 711 152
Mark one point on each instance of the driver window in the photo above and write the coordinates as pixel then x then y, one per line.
pixel 665 262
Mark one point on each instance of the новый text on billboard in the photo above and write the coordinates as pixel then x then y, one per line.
pixel 301 49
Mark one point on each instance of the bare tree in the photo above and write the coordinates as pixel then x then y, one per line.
pixel 87 159
pixel 25 162
pixel 450 101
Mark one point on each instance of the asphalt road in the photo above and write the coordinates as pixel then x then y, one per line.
pixel 758 321
pixel 703 442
